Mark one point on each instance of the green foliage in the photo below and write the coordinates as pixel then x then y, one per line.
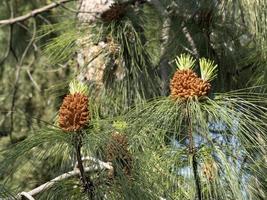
pixel 230 126
pixel 49 145
pixel 212 147
pixel 4 193
pixel 208 69
pixel 61 48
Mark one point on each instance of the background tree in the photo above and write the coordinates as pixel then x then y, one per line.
pixel 124 52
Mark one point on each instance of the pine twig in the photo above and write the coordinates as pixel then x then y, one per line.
pixel 192 152
pixel 87 182
pixel 196 177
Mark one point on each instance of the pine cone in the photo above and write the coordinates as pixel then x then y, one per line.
pixel 115 12
pixel 73 113
pixel 186 83
pixel 117 153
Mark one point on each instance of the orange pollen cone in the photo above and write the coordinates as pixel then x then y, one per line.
pixel 186 83
pixel 73 113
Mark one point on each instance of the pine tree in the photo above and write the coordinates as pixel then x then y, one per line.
pixel 157 99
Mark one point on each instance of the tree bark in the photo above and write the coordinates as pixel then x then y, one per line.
pixel 90 57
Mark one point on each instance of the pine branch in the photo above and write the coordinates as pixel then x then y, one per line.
pixel 196 176
pixel 99 165
pixel 33 13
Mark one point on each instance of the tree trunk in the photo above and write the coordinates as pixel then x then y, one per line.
pixel 90 59
pixel 111 65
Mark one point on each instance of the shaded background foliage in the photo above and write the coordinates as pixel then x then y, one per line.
pixel 25 79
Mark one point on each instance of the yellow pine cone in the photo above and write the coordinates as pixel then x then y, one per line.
pixel 73 113
pixel 186 83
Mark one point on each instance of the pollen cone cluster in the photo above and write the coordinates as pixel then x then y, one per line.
pixel 186 83
pixel 117 153
pixel 209 170
pixel 73 113
pixel 115 12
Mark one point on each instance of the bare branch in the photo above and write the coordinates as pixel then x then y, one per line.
pixel 32 79
pixel 106 165
pixel 33 13
pixel 191 42
pixel 98 165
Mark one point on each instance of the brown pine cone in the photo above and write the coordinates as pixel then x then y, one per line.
pixel 73 113
pixel 118 154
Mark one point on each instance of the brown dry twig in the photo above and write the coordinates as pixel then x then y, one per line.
pixel 33 13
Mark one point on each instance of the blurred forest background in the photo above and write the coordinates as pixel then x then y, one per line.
pixel 38 57
pixel 27 77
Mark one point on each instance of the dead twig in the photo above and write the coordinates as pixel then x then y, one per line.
pixel 33 13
